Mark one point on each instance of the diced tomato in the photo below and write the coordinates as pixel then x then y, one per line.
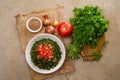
pixel 46 48
pixel 50 57
pixel 45 51
pixel 38 57
pixel 49 45
pixel 41 53
pixel 39 49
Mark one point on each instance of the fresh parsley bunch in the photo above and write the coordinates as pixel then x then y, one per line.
pixel 88 25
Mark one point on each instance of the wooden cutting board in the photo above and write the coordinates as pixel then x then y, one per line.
pixel 25 36
pixel 87 50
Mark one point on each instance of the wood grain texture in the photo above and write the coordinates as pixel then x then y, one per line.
pixel 87 50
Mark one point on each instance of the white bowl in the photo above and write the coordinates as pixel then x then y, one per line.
pixel 28 56
pixel 32 18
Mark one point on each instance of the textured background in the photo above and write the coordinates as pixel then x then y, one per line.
pixel 12 60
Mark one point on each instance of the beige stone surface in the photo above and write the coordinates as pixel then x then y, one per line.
pixel 12 60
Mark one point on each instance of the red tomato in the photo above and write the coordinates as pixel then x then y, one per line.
pixel 45 51
pixel 64 29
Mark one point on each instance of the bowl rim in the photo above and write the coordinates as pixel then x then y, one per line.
pixel 27 24
pixel 35 68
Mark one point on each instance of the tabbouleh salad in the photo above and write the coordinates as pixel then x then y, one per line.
pixel 45 54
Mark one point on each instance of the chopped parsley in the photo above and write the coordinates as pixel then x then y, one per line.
pixel 42 61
